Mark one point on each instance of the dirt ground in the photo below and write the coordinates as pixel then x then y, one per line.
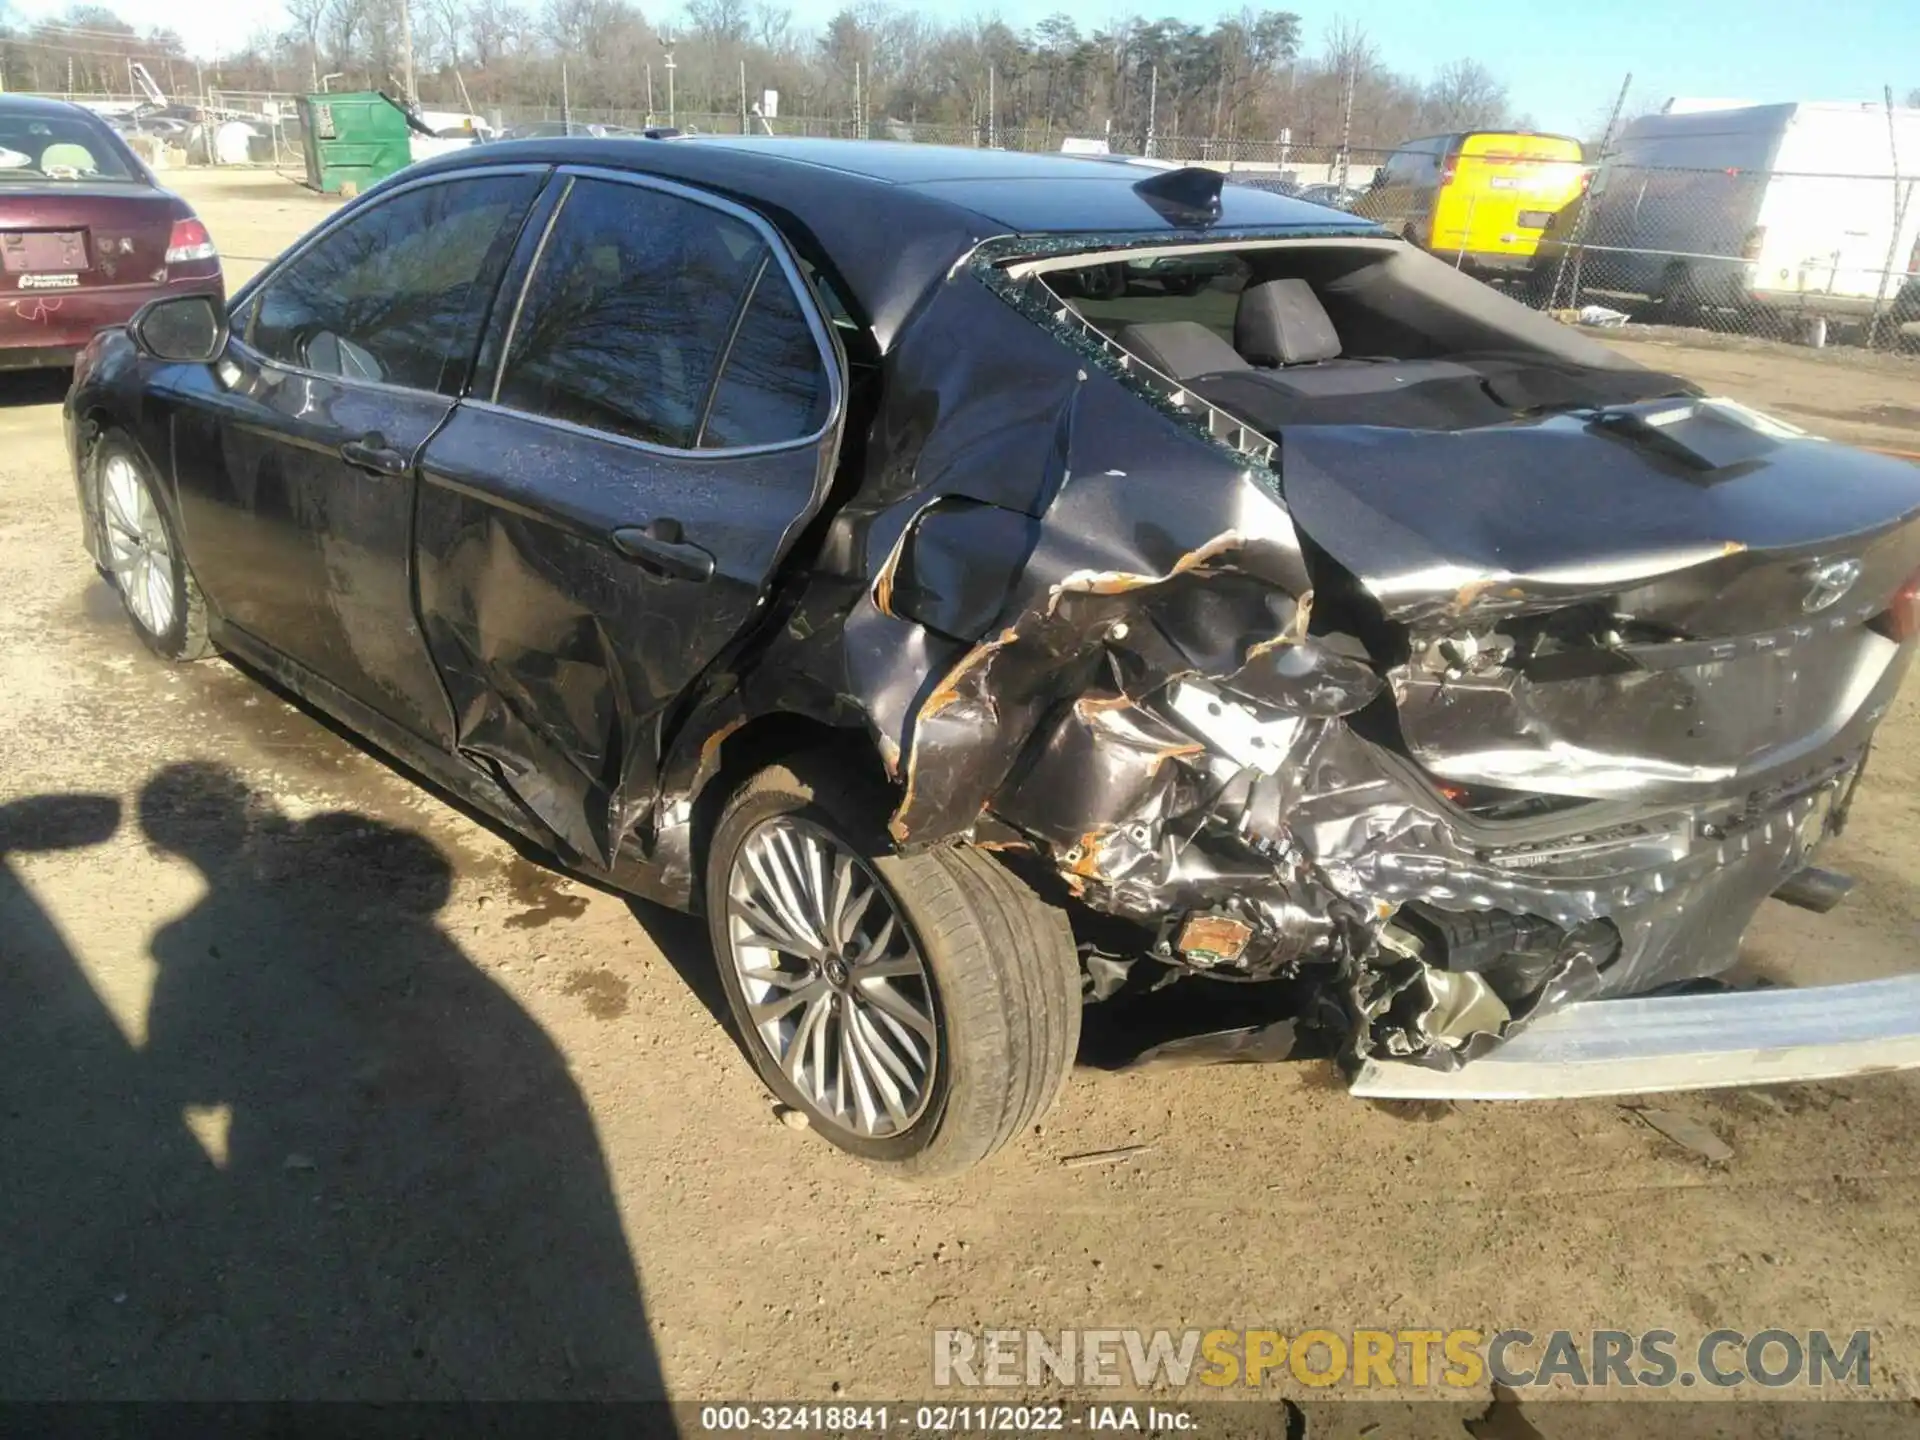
pixel 311 1085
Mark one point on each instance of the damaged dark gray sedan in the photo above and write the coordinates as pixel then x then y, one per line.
pixel 985 584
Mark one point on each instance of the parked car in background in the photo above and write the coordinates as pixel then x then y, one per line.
pixel 1762 210
pixel 782 529
pixel 590 129
pixel 1339 197
pixel 455 124
pixel 1273 182
pixel 1480 199
pixel 87 236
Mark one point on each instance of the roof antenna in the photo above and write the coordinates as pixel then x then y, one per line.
pixel 1188 196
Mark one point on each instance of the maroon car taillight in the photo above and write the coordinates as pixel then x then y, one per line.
pixel 190 241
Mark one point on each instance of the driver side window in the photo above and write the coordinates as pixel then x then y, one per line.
pixel 397 294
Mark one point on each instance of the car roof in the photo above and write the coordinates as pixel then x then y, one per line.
pixel 39 105
pixel 889 219
pixel 1026 192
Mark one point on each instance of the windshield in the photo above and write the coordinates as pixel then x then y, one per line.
pixel 57 147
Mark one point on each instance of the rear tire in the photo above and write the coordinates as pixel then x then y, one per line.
pixel 1001 975
pixel 1680 298
pixel 145 561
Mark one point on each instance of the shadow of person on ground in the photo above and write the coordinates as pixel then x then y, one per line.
pixel 356 1169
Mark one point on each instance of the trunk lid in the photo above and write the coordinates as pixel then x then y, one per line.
pixel 83 236
pixel 1653 601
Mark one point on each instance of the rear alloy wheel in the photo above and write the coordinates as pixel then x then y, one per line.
pixel 144 560
pixel 835 986
pixel 918 1010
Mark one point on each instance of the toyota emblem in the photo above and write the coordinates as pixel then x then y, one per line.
pixel 1831 580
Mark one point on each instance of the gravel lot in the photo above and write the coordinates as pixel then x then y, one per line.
pixel 311 1085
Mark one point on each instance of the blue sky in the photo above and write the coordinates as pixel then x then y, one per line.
pixel 1562 62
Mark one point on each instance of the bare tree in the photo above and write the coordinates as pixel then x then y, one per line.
pixel 303 34
pixel 449 22
pixel 344 22
pixel 772 26
pixel 495 27
pixel 719 22
pixel 1465 95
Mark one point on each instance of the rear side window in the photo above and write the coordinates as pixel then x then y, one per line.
pixel 774 387
pixel 628 316
pixel 59 147
pixel 398 293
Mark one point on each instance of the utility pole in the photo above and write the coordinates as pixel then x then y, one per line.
pixel 1153 105
pixel 1346 120
pixel 406 52
pixel 993 107
pixel 667 41
pixel 859 123
pixel 649 92
pixel 566 102
pixel 743 98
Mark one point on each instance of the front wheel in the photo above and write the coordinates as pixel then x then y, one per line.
pixel 918 1010
pixel 145 562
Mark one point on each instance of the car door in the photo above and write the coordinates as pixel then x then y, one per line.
pixel 655 420
pixel 296 455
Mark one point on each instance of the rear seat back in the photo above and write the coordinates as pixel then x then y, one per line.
pixel 1282 322
pixel 1180 349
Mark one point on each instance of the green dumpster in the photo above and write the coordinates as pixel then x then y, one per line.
pixel 353 138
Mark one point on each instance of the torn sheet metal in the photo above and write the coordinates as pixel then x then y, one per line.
pixel 1091 628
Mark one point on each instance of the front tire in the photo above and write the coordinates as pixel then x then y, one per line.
pixel 918 1010
pixel 145 561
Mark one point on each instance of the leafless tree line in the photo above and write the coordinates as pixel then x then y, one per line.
pixel 1248 76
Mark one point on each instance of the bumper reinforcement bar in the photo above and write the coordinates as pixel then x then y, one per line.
pixel 1656 1043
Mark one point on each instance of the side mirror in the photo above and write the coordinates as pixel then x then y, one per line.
pixel 187 329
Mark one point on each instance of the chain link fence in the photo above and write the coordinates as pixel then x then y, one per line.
pixel 1811 258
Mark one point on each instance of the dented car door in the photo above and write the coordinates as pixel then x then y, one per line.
pixel 603 512
pixel 296 453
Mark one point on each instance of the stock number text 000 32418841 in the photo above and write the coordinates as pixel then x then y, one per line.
pixel 845 1419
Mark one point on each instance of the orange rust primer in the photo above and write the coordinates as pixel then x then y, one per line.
pixel 1093 710
pixel 1294 634
pixel 1119 582
pixel 946 694
pixel 1214 938
pixel 1087 867
pixel 1090 707
pixel 883 582
pixel 710 747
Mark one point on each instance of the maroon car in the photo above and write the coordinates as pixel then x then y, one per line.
pixel 87 236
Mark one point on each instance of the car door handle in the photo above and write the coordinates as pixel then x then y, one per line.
pixel 658 547
pixel 372 454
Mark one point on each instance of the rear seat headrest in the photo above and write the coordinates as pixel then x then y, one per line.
pixel 1180 349
pixel 1281 322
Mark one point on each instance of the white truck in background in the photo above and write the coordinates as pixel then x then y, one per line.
pixel 1810 207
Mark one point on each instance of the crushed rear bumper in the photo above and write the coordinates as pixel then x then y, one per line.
pixel 1648 1044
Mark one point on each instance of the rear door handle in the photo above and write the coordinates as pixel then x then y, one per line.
pixel 372 454
pixel 658 547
